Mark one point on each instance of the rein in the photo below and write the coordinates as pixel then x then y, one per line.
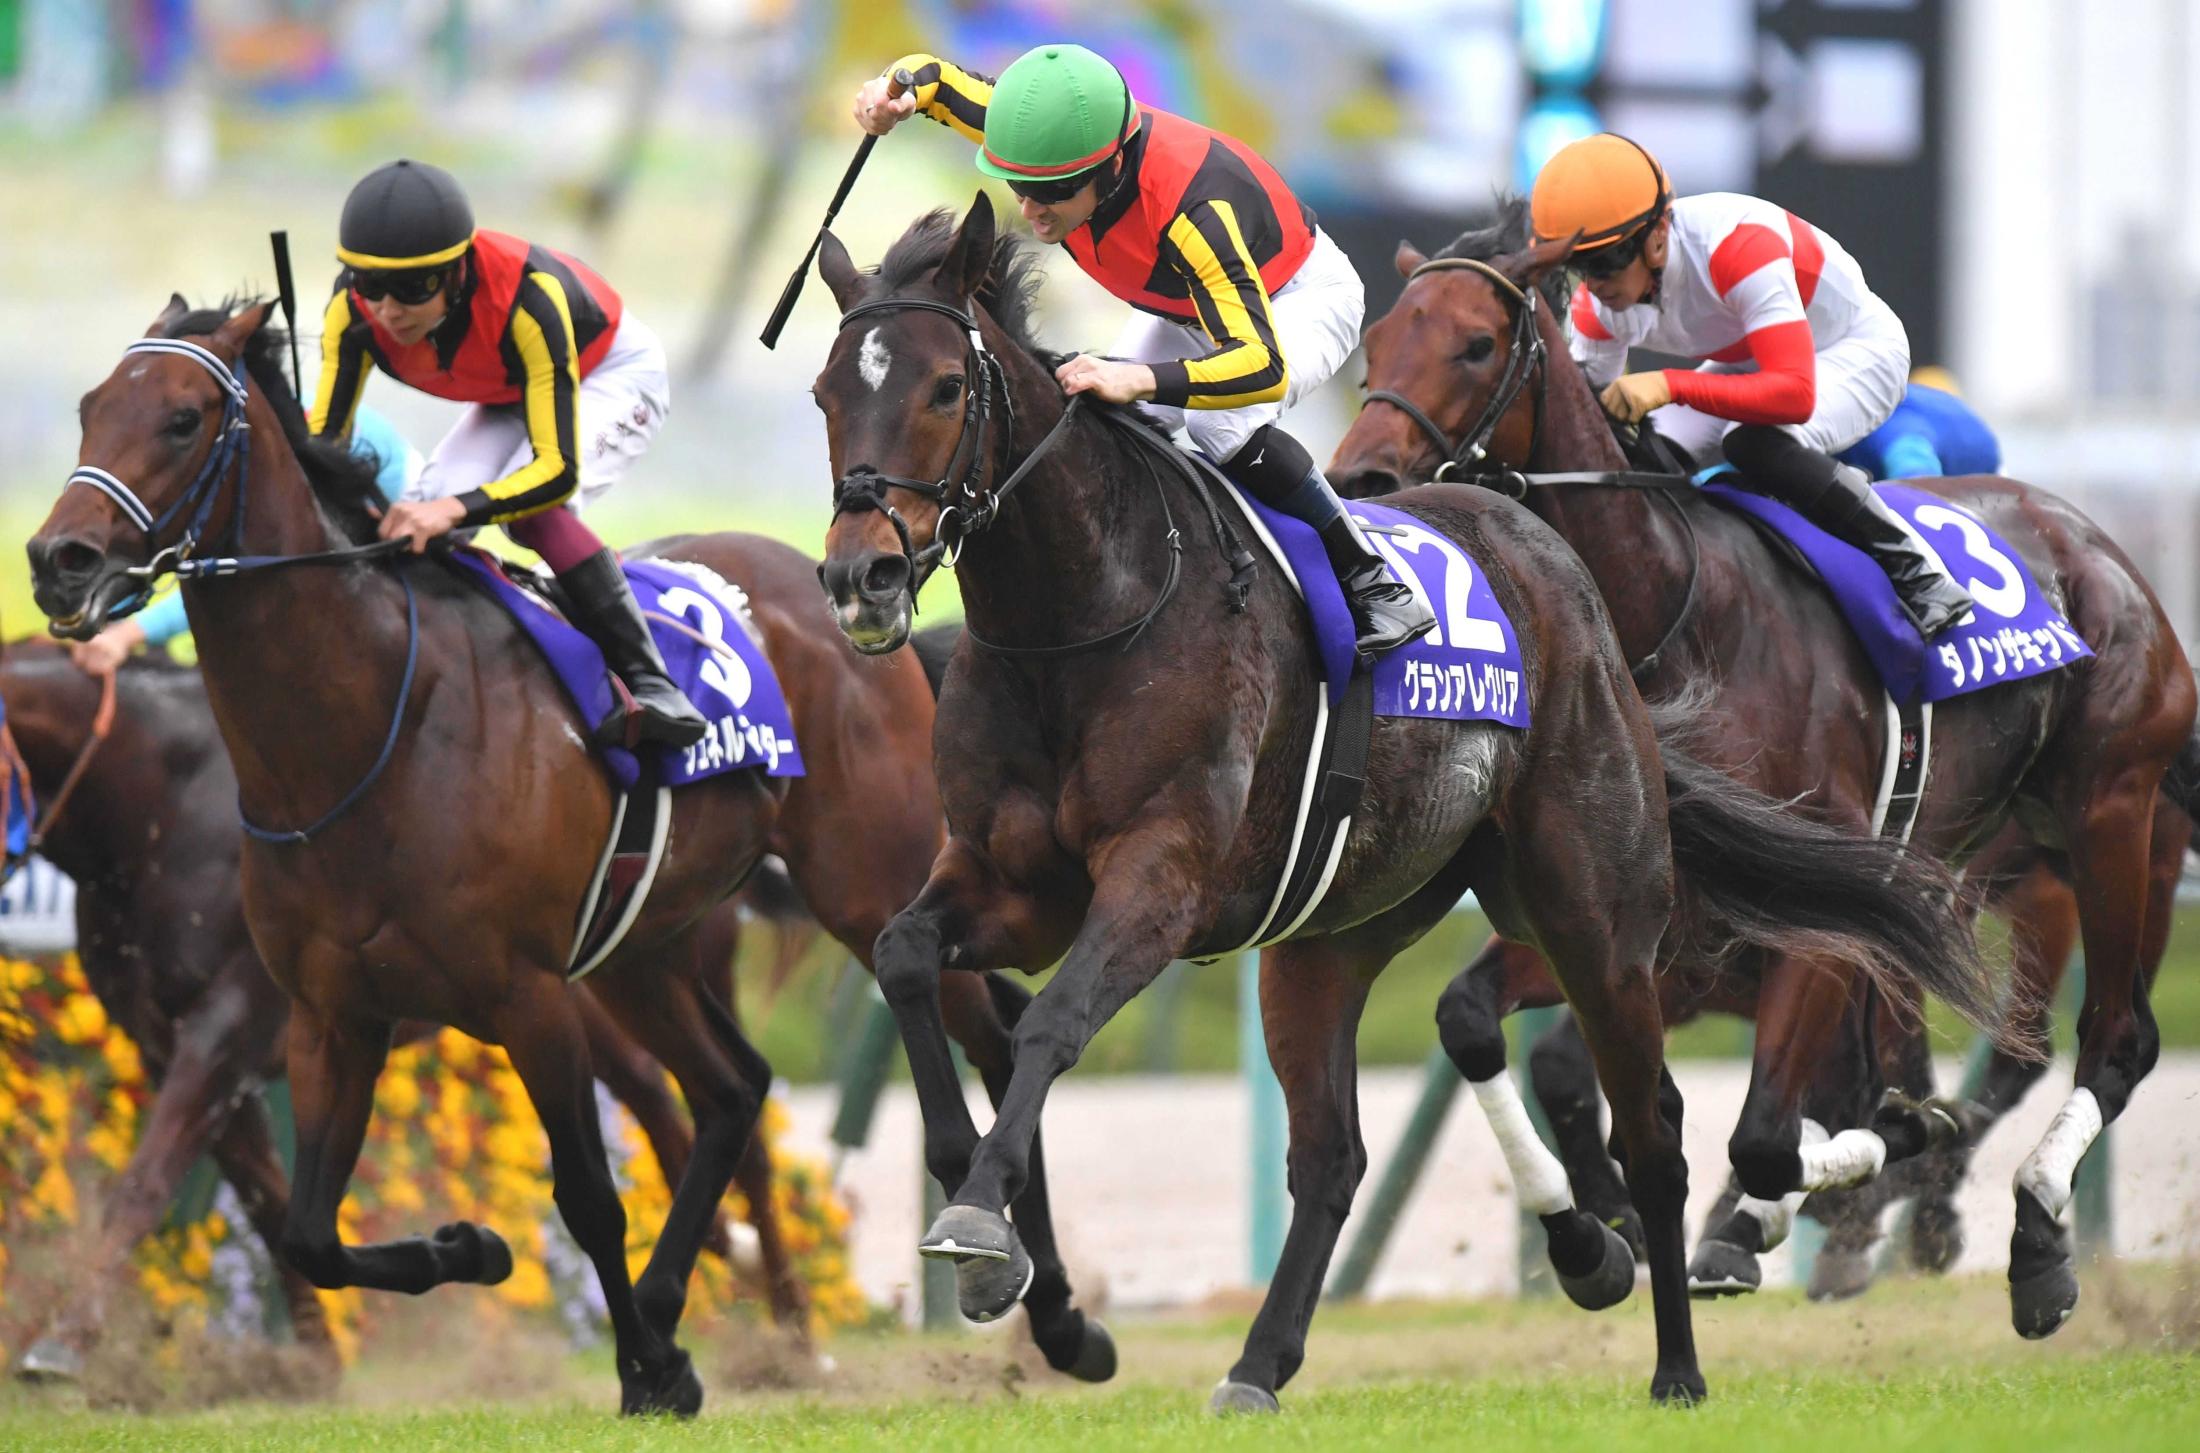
pixel 1470 456
pixel 103 722
pixel 971 509
pixel 225 461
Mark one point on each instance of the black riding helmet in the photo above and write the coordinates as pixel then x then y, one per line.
pixel 404 217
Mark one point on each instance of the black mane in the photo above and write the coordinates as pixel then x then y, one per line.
pixel 1509 233
pixel 342 481
pixel 1011 286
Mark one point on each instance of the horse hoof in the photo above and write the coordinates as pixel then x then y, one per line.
pixel 1093 1359
pixel 675 1389
pixel 50 1360
pixel 992 1270
pixel 1722 1269
pixel 1840 1275
pixel 1610 1283
pixel 473 1253
pixel 1242 1397
pixel 1936 1238
pixel 2043 1286
pixel 1678 1390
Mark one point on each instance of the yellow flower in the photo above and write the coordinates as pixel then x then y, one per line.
pixel 121 1054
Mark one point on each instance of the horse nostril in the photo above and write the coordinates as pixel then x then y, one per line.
pixel 64 559
pixel 885 577
pixel 1368 483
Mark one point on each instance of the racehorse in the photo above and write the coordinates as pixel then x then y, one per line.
pixel 1476 377
pixel 1119 759
pixel 468 812
pixel 148 831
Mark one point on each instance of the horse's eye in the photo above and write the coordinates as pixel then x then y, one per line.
pixel 182 424
pixel 1480 349
pixel 947 390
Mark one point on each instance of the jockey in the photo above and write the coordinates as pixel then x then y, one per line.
pixel 1800 358
pixel 372 436
pixel 566 390
pixel 1244 306
pixel 1931 432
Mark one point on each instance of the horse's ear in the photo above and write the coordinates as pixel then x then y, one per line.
pixel 839 271
pixel 1408 259
pixel 234 334
pixel 1527 267
pixel 169 316
pixel 970 256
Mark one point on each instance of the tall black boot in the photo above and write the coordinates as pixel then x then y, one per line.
pixel 1276 469
pixel 1386 613
pixel 604 606
pixel 1838 499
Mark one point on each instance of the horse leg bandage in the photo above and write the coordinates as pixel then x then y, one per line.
pixel 1844 1160
pixel 1538 1177
pixel 2047 1172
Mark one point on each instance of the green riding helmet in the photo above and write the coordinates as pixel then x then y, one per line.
pixel 404 216
pixel 1058 111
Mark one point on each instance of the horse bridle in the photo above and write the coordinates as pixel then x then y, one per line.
pixel 966 507
pixel 1470 456
pixel 1466 457
pixel 224 461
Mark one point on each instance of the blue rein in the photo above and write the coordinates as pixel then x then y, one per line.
pixel 225 460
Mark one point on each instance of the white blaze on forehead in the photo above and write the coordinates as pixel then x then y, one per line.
pixel 874 360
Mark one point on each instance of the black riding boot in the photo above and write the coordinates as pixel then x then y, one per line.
pixel 1838 499
pixel 1386 613
pixel 604 607
pixel 1276 469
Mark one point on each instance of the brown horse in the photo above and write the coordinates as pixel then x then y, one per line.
pixel 149 834
pixel 1479 377
pixel 442 884
pixel 1120 761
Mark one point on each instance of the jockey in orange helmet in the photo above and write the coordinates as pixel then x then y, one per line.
pixel 1800 359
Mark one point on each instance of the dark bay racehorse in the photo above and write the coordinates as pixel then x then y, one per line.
pixel 468 811
pixel 1466 362
pixel 1120 761
pixel 149 834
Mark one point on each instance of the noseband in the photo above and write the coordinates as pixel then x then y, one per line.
pixel 966 507
pixel 1465 458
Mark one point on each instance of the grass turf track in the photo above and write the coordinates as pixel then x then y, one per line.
pixel 1914 1366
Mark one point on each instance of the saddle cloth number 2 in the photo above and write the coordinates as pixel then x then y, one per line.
pixel 1457 627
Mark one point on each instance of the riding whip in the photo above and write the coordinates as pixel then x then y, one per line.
pixel 287 294
pixel 897 84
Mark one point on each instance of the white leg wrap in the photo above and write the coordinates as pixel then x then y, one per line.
pixel 2047 1171
pixel 1775 1219
pixel 1846 1159
pixel 1538 1177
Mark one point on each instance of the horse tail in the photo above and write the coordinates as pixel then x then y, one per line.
pixel 1753 874
pixel 935 647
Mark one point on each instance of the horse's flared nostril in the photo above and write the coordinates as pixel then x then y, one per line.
pixel 885 577
pixel 1367 483
pixel 64 559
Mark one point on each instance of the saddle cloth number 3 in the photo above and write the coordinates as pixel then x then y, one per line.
pixel 1457 627
pixel 723 671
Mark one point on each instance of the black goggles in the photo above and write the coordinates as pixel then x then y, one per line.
pixel 412 288
pixel 1054 190
pixel 1607 261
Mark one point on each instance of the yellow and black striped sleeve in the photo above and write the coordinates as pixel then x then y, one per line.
pixel 948 94
pixel 1206 245
pixel 539 349
pixel 344 370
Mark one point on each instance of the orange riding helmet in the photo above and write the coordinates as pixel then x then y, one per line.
pixel 1606 187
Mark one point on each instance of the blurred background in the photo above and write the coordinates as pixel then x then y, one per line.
pixel 2020 179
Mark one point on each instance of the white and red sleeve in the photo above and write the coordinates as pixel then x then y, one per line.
pixel 1593 339
pixel 1753 273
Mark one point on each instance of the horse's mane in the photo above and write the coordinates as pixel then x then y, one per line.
pixel 1009 293
pixel 342 481
pixel 1508 233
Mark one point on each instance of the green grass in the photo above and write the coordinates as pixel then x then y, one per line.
pixel 1917 1366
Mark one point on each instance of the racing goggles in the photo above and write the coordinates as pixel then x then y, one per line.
pixel 411 288
pixel 1053 191
pixel 1607 262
